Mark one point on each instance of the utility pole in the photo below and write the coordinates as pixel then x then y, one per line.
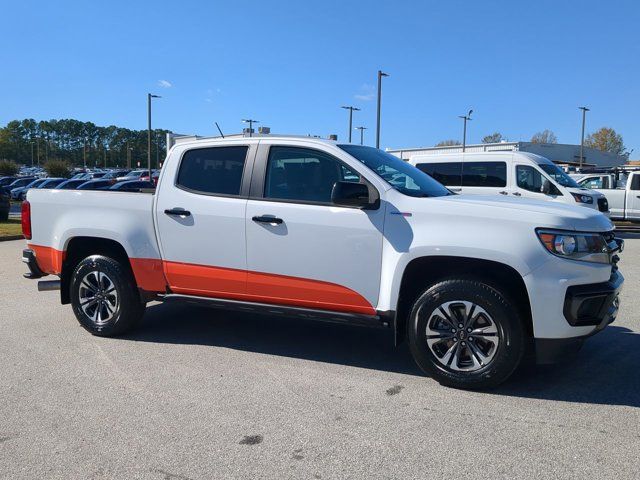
pixel 149 97
pixel 32 154
pixel 466 118
pixel 250 122
pixel 380 75
pixel 351 109
pixel 38 148
pixel 584 114
pixel 362 129
pixel 84 154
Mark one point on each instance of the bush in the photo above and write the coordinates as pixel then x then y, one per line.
pixel 57 168
pixel 8 169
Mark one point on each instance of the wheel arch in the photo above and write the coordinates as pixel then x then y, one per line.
pixel 428 270
pixel 78 248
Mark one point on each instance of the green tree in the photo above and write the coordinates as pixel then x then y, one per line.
pixel 494 138
pixel 448 143
pixel 57 168
pixel 607 140
pixel 7 168
pixel 545 136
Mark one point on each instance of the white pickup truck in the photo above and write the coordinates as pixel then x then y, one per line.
pixel 304 226
pixel 622 189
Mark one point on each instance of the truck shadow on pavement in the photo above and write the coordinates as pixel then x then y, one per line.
pixel 604 372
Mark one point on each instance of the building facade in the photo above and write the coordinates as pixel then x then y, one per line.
pixel 562 154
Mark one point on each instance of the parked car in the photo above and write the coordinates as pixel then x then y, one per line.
pixel 514 174
pixel 51 182
pixel 339 232
pixel 5 205
pixel 18 194
pixel 70 184
pixel 622 189
pixel 5 181
pixel 18 183
pixel 97 184
pixel 134 175
pixel 132 186
pixel 115 174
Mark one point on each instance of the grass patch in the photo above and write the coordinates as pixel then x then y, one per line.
pixel 10 228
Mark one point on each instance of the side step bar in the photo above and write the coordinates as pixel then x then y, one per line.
pixel 376 321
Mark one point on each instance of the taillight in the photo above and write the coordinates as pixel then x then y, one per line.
pixel 26 219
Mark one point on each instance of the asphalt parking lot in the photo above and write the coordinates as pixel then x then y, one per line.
pixel 196 393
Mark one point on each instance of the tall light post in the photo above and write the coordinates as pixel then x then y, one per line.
pixel 380 75
pixel 250 121
pixel 584 114
pixel 362 129
pixel 351 109
pixel 149 97
pixel 466 119
pixel 32 154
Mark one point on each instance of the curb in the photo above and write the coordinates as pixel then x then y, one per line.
pixel 11 237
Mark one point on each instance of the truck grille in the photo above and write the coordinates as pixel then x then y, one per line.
pixel 603 205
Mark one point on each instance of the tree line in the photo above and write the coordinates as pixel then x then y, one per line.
pixel 78 143
pixel 605 139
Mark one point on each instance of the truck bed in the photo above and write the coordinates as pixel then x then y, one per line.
pixel 59 215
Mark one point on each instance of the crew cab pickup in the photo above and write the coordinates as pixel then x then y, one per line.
pixel 341 232
pixel 622 189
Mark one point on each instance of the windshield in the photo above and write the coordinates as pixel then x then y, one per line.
pixel 558 175
pixel 400 175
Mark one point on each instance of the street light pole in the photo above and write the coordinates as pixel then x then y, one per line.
pixel 351 109
pixel 32 154
pixel 584 113
pixel 362 129
pixel 380 75
pixel 466 118
pixel 250 121
pixel 149 97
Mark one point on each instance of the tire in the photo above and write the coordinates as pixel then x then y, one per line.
pixel 117 308
pixel 4 216
pixel 454 356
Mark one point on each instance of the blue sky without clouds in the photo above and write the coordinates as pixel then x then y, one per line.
pixel 522 66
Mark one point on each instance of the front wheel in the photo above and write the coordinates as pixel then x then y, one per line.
pixel 104 296
pixel 466 334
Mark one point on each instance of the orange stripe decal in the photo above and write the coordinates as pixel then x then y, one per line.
pixel 220 282
pixel 149 274
pixel 48 259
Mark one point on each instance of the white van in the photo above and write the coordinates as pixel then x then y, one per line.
pixel 516 174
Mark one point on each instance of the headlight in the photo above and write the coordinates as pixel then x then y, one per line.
pixel 580 198
pixel 587 247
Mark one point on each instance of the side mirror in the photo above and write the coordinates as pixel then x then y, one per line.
pixel 348 194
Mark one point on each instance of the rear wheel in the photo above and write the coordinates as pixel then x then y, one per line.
pixel 104 296
pixel 466 334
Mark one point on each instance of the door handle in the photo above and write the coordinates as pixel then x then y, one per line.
pixel 267 219
pixel 517 194
pixel 178 211
pixel 503 193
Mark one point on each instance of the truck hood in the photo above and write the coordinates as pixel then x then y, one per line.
pixel 533 213
pixel 586 191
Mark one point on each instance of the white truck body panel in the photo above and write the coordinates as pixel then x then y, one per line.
pixel 623 193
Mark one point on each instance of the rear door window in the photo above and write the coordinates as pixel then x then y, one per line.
pixel 213 171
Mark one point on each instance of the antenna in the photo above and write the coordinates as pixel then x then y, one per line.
pixel 218 127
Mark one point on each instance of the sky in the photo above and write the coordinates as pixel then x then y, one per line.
pixel 521 66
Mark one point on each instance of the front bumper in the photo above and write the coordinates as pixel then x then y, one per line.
pixel 592 305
